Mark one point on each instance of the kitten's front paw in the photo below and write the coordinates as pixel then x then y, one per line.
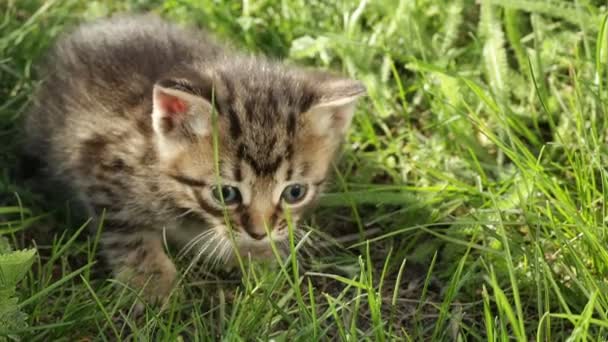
pixel 154 279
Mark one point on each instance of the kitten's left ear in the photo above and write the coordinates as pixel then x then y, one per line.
pixel 333 112
pixel 179 109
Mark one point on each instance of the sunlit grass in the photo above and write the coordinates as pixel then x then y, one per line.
pixel 469 202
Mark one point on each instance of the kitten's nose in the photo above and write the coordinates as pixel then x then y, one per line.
pixel 255 223
pixel 256 235
pixel 254 227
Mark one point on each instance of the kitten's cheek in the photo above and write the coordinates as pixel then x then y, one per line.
pixel 281 232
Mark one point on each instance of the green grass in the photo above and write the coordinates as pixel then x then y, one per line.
pixel 469 203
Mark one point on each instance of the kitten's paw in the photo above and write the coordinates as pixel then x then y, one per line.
pixel 155 281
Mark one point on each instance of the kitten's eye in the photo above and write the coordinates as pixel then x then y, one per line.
pixel 294 193
pixel 230 194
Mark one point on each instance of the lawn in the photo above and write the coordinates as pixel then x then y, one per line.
pixel 469 202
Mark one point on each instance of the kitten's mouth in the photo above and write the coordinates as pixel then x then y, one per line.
pixel 263 249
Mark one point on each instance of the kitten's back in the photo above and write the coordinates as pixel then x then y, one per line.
pixel 113 51
pixel 108 67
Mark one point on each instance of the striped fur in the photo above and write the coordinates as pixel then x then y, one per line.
pixel 128 116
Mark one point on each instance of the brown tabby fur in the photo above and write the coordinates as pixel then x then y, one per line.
pixel 104 124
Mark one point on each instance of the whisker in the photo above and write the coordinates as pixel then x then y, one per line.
pixel 190 244
pixel 211 255
pixel 227 249
pixel 203 249
pixel 223 252
pixel 216 255
pixel 303 243
pixel 284 244
pixel 198 238
pixel 310 243
pixel 202 253
pixel 184 213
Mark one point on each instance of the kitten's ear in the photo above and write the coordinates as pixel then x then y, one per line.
pixel 178 109
pixel 333 112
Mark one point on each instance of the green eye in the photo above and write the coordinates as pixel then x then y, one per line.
pixel 294 193
pixel 230 194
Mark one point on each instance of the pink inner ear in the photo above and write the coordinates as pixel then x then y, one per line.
pixel 172 104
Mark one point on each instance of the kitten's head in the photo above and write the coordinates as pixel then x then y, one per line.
pixel 247 145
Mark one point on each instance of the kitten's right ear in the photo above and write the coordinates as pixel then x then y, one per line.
pixel 178 109
pixel 333 111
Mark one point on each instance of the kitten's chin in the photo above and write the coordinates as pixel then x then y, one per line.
pixel 256 251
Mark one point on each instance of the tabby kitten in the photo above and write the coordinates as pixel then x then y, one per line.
pixel 130 114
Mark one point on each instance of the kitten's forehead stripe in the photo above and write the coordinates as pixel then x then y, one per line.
pixel 238 174
pixel 289 159
pixel 260 103
pixel 291 123
pixel 305 169
pixel 235 125
pixel 289 173
pixel 262 168
pixel 228 107
pixel 289 150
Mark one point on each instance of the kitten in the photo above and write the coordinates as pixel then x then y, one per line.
pixel 130 114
